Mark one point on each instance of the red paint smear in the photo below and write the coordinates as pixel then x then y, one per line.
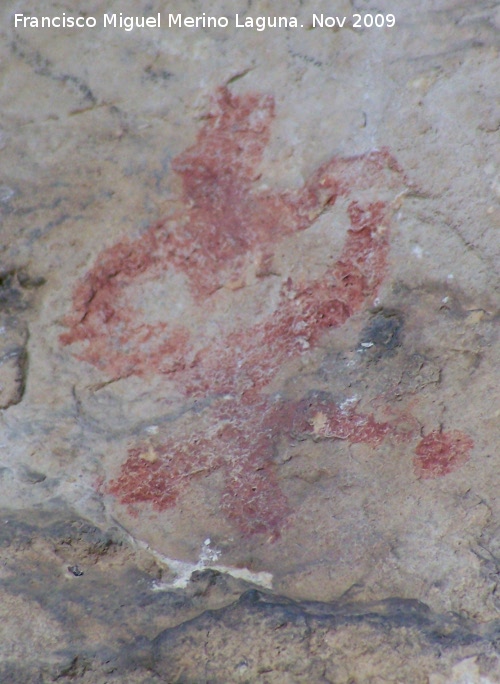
pixel 158 475
pixel 322 418
pixel 253 499
pixel 222 220
pixel 242 446
pixel 246 361
pixel 441 453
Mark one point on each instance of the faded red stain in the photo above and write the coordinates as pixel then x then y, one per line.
pixel 441 453
pixel 224 221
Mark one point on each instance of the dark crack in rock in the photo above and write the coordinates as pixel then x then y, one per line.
pixel 264 638
pixel 13 359
pixel 16 293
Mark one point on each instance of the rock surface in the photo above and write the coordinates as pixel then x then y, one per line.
pixel 249 282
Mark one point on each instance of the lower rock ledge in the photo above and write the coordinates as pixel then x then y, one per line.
pixel 78 604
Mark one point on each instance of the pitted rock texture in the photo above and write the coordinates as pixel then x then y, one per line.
pixel 249 306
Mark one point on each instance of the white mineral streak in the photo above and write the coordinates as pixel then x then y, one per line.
pixel 207 561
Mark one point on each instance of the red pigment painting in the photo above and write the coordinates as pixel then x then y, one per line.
pixel 440 453
pixel 224 222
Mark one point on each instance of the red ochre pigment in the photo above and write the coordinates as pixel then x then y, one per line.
pixel 222 221
pixel 440 453
pixel 244 439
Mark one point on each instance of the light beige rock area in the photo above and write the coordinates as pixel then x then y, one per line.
pixel 249 306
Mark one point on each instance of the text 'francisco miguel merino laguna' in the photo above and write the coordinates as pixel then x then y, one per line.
pixel 128 23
